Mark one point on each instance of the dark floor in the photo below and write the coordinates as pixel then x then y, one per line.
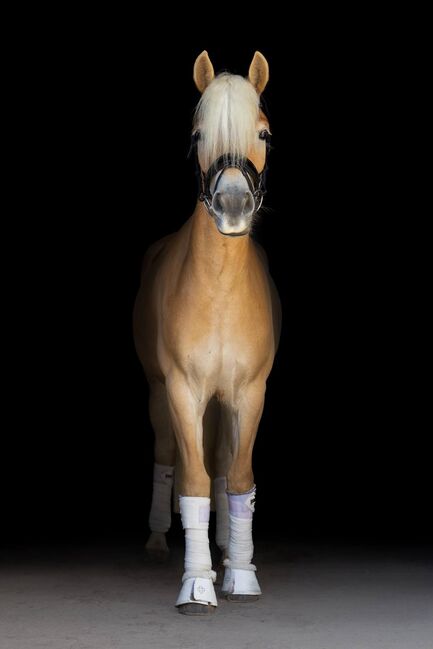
pixel 313 598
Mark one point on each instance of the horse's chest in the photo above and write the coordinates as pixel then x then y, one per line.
pixel 225 354
pixel 216 356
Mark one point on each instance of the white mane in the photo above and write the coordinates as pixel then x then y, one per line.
pixel 226 116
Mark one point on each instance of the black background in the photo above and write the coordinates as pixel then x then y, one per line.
pixel 340 453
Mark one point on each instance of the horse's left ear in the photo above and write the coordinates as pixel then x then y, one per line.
pixel 258 73
pixel 203 71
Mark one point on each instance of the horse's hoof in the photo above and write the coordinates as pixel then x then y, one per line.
pixel 157 556
pixel 219 577
pixel 157 548
pixel 196 609
pixel 242 598
pixel 240 585
pixel 220 568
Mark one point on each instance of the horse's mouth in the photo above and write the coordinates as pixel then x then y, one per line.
pixel 220 227
pixel 235 234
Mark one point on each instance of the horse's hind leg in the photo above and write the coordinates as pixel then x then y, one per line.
pixel 165 454
pixel 223 460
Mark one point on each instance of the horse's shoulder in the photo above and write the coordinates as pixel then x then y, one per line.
pixel 157 246
pixel 154 250
pixel 276 303
pixel 262 254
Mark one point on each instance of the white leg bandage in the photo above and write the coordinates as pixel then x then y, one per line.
pixel 222 513
pixel 160 512
pixel 239 577
pixel 198 578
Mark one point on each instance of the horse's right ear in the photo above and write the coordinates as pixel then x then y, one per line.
pixel 203 71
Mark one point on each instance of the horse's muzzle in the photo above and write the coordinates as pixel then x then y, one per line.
pixel 233 204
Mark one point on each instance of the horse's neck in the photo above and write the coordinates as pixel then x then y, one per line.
pixel 217 258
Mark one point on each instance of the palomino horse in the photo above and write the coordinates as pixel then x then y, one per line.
pixel 206 327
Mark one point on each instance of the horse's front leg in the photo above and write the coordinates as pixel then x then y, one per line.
pixel 240 581
pixel 197 594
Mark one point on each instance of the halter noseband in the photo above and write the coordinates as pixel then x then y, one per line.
pixel 255 180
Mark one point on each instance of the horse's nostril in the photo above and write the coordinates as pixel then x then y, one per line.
pixel 249 203
pixel 217 203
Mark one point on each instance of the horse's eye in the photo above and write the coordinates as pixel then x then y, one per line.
pixel 265 135
pixel 196 136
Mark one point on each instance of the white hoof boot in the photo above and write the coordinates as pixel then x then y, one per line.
pixel 240 582
pixel 197 590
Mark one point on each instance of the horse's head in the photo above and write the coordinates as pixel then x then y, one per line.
pixel 231 135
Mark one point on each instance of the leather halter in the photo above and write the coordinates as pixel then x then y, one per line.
pixel 256 181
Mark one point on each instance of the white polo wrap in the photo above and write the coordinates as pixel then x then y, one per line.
pixel 198 578
pixel 239 577
pixel 160 512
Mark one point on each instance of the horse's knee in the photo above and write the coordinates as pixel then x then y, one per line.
pixel 240 479
pixel 195 481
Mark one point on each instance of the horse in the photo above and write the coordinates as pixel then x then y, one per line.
pixel 207 322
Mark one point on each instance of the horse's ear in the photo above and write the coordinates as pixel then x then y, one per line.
pixel 203 71
pixel 258 73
